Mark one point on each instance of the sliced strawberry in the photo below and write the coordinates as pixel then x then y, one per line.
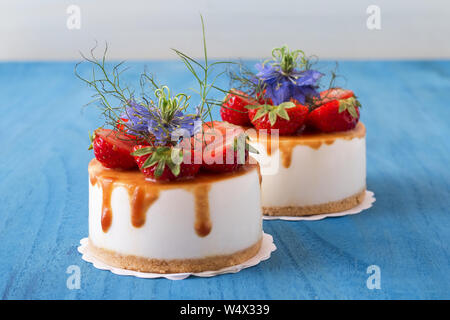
pixel 334 94
pixel 336 115
pixel 221 145
pixel 223 155
pixel 157 163
pixel 113 149
pixel 222 127
pixel 288 117
pixel 233 108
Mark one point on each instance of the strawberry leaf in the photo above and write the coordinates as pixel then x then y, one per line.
pixel 283 114
pixel 151 161
pixel 350 105
pixel 160 168
pixel 352 111
pixel 286 105
pixel 143 151
pixel 261 113
pixel 91 139
pixel 175 168
pixel 272 117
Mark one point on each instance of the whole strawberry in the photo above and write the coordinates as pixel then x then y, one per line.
pixel 288 117
pixel 233 108
pixel 339 112
pixel 157 163
pixel 113 149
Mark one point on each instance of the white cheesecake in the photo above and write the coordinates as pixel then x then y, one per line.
pixel 207 223
pixel 312 173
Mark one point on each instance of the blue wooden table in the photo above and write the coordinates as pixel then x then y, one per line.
pixel 44 195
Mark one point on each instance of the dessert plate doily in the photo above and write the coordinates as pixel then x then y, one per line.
pixel 369 199
pixel 267 247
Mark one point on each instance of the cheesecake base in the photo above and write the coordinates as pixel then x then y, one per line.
pixel 141 264
pixel 329 207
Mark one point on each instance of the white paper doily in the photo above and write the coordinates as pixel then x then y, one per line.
pixel 369 199
pixel 267 247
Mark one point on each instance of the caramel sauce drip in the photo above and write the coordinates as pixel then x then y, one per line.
pixel 143 193
pixel 311 139
pixel 107 186
pixel 140 201
pixel 203 223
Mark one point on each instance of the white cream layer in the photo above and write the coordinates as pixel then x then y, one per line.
pixel 169 233
pixel 315 176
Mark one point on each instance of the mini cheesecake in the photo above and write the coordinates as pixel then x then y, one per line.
pixel 312 173
pixel 206 223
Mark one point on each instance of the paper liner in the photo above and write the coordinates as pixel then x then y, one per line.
pixel 369 199
pixel 267 247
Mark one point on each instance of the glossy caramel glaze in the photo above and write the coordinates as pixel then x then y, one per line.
pixel 311 139
pixel 203 223
pixel 143 193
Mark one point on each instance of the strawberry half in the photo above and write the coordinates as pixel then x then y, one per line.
pixel 288 117
pixel 157 163
pixel 233 108
pixel 113 149
pixel 335 94
pixel 225 147
pixel 339 112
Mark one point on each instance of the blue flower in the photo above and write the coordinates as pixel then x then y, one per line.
pixel 281 86
pixel 143 119
pixel 160 120
pixel 163 130
pixel 138 116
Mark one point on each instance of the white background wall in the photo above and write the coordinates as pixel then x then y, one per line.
pixel 138 29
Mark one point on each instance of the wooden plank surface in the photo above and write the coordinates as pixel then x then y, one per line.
pixel 44 195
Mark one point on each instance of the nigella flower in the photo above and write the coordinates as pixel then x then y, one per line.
pixel 281 87
pixel 163 119
pixel 283 80
pixel 162 130
pixel 137 116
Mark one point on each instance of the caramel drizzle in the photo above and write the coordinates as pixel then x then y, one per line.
pixel 312 140
pixel 203 224
pixel 106 220
pixel 140 202
pixel 143 193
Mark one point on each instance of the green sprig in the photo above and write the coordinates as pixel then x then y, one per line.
pixel 202 72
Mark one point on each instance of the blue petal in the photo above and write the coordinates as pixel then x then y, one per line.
pixel 301 93
pixel 308 78
pixel 267 73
